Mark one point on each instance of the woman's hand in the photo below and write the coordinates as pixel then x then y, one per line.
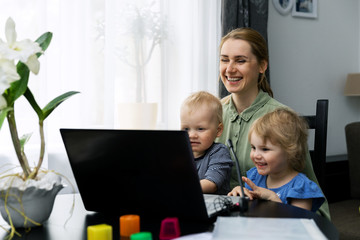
pixel 259 192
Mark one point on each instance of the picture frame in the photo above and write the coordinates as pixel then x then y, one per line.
pixel 283 6
pixel 305 8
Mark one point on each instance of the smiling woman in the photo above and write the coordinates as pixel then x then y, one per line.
pixel 239 69
pixel 243 62
pixel 250 95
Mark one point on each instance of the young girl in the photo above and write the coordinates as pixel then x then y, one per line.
pixel 278 150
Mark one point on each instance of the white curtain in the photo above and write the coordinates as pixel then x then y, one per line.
pixel 89 51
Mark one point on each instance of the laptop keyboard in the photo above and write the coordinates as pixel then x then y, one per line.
pixel 217 203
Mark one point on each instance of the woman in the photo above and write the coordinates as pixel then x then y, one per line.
pixel 243 63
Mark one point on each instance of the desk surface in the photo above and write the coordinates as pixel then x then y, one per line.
pixel 76 226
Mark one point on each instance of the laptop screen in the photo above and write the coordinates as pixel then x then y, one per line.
pixel 145 172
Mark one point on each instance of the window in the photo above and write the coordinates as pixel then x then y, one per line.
pixel 92 52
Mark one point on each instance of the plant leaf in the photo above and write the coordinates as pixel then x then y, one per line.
pixel 24 139
pixel 18 88
pixel 56 102
pixel 44 41
pixel 30 97
pixel 3 114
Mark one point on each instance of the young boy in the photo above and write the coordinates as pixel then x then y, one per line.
pixel 201 117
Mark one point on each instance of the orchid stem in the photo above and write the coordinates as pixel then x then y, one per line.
pixel 42 149
pixel 17 145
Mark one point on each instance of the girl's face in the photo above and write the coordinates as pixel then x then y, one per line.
pixel 269 159
pixel 202 127
pixel 239 68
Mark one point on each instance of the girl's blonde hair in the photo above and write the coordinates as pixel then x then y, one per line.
pixel 202 98
pixel 284 128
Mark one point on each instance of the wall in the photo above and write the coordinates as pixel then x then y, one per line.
pixel 310 59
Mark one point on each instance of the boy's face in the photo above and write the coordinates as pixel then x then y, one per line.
pixel 202 126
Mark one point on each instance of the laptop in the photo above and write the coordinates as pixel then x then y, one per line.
pixel 145 172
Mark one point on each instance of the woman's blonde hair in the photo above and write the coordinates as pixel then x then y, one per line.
pixel 202 98
pixel 284 128
pixel 258 48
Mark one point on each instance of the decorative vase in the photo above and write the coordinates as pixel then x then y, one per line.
pixel 137 115
pixel 29 203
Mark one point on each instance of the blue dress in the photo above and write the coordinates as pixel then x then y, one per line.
pixel 300 187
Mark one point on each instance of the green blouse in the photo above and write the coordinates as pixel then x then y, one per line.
pixel 236 128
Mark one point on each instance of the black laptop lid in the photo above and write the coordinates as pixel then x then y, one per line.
pixel 145 172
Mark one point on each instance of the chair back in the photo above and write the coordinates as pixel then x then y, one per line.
pixel 319 123
pixel 352 133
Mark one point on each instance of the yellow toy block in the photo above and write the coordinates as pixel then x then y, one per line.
pixel 99 232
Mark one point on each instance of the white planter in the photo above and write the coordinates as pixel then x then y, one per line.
pixel 33 199
pixel 137 115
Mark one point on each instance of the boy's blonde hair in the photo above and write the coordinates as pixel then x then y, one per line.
pixel 286 129
pixel 202 98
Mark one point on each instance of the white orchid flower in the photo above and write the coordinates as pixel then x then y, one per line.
pixel 24 51
pixel 8 74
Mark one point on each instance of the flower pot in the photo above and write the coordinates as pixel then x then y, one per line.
pixel 137 115
pixel 28 203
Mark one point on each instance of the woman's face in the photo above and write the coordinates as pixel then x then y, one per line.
pixel 239 68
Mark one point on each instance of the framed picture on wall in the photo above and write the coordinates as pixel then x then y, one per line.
pixel 305 8
pixel 283 6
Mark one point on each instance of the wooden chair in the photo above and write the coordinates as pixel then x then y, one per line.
pixel 319 123
pixel 352 134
